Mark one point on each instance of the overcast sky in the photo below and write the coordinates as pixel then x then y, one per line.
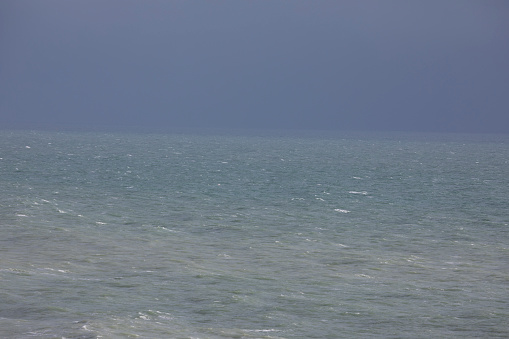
pixel 342 65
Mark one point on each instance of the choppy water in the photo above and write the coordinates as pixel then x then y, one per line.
pixel 231 236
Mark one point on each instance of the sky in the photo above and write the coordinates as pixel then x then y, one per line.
pixel 370 65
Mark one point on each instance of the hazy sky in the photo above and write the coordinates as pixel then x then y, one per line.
pixel 345 65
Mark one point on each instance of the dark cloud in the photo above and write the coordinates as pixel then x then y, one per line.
pixel 370 65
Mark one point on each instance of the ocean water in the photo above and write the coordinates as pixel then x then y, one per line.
pixel 253 236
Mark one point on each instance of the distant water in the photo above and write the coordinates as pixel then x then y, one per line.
pixel 232 236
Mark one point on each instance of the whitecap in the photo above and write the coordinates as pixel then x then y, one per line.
pixel 84 327
pixel 166 229
pixel 267 330
pixel 341 210
pixel 357 192
pixel 164 315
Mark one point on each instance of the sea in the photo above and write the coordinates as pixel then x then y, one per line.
pixel 253 235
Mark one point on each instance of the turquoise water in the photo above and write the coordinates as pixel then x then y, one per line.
pixel 246 236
